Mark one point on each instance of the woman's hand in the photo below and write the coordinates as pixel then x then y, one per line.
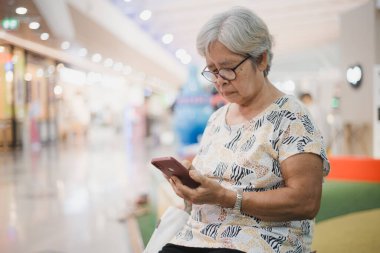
pixel 209 191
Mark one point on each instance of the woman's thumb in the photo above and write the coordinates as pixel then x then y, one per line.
pixel 186 163
pixel 196 175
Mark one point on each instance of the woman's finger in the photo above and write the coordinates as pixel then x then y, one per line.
pixel 174 185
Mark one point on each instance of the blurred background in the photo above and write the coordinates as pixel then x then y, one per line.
pixel 91 90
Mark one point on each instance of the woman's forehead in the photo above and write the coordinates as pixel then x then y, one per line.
pixel 222 59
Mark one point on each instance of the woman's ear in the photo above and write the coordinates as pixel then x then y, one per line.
pixel 262 65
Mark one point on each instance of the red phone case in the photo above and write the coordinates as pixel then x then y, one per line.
pixel 170 166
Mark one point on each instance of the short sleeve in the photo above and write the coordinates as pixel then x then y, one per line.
pixel 300 135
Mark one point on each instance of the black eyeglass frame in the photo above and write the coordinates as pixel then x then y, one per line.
pixel 216 74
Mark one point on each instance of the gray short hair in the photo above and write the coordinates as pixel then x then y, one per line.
pixel 241 31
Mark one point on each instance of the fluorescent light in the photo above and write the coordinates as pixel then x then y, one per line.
pixel 96 57
pixel 118 66
pixel 186 59
pixel 65 45
pixel 34 25
pixel 108 62
pixel 180 53
pixel 167 38
pixel 58 90
pixel 145 15
pixel 44 36
pixel 21 10
pixel 28 77
pixel 82 52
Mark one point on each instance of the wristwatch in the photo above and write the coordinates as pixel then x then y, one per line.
pixel 239 199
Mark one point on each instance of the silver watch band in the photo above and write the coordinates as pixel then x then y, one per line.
pixel 239 200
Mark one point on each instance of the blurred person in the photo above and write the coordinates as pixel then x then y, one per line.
pixel 337 132
pixel 261 161
pixel 135 132
pixel 78 114
pixel 318 114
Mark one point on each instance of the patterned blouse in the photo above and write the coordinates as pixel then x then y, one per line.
pixel 248 157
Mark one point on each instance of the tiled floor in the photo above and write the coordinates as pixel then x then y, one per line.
pixel 67 198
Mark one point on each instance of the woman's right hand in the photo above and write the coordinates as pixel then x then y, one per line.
pixel 209 191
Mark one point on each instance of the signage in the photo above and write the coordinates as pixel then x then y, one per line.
pixel 10 23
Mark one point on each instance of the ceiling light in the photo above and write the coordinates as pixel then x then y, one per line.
pixel 180 53
pixel 82 52
pixel 127 1
pixel 145 15
pixel 44 36
pixel 108 62
pixel 28 77
pixel 354 75
pixel 58 90
pixel 96 57
pixel 40 72
pixel 21 10
pixel 65 45
pixel 34 25
pixel 118 66
pixel 186 59
pixel 2 49
pixel 167 38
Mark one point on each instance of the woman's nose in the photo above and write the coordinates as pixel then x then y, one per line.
pixel 220 80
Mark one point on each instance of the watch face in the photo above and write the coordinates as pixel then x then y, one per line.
pixel 354 75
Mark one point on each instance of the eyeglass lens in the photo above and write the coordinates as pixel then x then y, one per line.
pixel 227 74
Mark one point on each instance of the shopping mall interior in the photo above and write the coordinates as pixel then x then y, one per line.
pixel 92 90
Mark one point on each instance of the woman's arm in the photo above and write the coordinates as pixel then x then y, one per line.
pixel 298 199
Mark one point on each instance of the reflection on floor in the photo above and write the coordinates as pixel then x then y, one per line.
pixel 68 197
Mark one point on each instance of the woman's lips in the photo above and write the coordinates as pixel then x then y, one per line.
pixel 227 93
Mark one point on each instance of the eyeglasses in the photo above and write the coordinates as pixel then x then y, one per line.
pixel 226 74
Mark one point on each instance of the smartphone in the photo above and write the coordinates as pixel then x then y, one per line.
pixel 171 167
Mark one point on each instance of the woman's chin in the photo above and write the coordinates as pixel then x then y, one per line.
pixel 231 97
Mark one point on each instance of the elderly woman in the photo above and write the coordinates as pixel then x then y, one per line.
pixel 262 159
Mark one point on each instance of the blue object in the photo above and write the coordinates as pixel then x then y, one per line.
pixel 192 110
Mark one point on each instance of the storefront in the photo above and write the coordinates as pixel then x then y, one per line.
pixel 8 131
pixel 27 101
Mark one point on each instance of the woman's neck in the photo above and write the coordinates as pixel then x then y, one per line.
pixel 267 95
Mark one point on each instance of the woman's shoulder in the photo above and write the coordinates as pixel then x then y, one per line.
pixel 290 103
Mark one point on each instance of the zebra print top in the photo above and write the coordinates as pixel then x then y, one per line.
pixel 248 157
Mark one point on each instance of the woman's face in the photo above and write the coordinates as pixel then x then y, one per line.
pixel 249 80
